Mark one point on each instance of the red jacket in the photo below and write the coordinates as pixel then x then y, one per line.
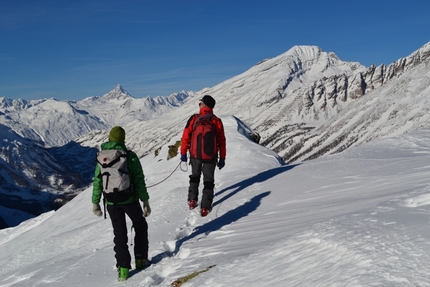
pixel 186 135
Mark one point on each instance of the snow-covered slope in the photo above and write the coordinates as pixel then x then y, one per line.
pixel 359 218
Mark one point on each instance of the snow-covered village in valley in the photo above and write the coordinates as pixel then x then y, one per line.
pixel 326 180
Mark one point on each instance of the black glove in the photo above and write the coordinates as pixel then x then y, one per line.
pixel 221 163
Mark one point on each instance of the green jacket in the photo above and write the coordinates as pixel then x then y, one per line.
pixel 137 177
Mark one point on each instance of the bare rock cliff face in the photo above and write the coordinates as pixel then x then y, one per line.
pixel 313 118
pixel 327 92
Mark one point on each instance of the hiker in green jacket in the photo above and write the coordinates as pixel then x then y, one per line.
pixel 124 202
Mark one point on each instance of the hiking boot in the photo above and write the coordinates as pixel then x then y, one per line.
pixel 204 211
pixel 192 204
pixel 122 273
pixel 142 264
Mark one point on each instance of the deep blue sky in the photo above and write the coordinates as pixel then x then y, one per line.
pixel 73 49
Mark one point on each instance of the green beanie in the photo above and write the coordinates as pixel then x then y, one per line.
pixel 117 134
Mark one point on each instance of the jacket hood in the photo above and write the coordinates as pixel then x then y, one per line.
pixel 205 110
pixel 113 145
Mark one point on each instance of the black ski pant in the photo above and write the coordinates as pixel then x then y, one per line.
pixel 141 244
pixel 208 170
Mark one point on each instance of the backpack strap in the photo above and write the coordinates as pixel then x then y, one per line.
pixel 107 165
pixel 104 204
pixel 208 116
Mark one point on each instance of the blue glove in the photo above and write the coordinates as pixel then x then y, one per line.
pixel 221 163
pixel 184 157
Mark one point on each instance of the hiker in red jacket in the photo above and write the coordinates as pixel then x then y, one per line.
pixel 203 153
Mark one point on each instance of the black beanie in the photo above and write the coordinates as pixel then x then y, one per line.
pixel 208 101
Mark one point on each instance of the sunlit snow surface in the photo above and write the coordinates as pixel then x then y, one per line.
pixel 359 218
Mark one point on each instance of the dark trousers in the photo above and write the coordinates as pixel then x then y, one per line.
pixel 208 170
pixel 134 212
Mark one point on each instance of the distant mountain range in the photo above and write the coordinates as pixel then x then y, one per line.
pixel 304 104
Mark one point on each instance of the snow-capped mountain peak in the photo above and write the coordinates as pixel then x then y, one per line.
pixel 119 93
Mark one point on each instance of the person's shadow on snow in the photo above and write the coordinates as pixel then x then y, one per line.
pixel 262 176
pixel 216 224
pixel 232 215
